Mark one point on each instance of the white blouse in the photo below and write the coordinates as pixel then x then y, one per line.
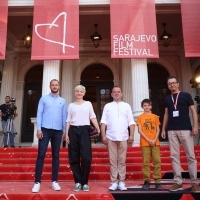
pixel 80 115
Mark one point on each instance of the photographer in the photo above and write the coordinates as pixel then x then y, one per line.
pixel 8 113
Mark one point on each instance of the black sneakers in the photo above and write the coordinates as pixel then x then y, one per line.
pixel 158 186
pixel 146 185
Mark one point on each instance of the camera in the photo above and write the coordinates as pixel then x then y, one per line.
pixel 197 99
pixel 12 100
pixel 12 109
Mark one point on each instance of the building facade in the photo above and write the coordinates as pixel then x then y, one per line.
pixel 27 80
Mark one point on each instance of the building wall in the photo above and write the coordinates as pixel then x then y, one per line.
pixel 172 60
pixel 171 63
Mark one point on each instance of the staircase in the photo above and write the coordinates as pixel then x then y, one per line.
pixel 18 164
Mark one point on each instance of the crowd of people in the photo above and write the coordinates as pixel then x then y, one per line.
pixel 57 123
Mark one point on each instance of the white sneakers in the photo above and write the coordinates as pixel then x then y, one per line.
pixel 114 186
pixel 55 186
pixel 36 187
pixel 120 186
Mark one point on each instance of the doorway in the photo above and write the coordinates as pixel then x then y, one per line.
pixel 98 80
pixel 32 94
pixel 158 90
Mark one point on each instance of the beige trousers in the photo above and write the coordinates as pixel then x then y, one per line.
pixel 185 138
pixel 117 154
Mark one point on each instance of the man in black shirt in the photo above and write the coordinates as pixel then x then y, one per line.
pixel 177 121
pixel 7 115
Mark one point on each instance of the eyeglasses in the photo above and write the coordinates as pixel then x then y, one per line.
pixel 173 83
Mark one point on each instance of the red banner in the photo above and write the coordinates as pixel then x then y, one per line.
pixel 191 27
pixel 55 30
pixel 133 29
pixel 3 27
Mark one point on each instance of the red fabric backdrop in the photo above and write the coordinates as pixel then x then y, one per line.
pixel 191 27
pixel 55 30
pixel 133 29
pixel 3 27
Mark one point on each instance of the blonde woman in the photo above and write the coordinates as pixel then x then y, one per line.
pixel 80 113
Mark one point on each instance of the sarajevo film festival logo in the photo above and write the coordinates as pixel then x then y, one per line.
pixel 53 24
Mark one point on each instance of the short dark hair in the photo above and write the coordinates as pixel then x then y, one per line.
pixel 116 87
pixel 146 101
pixel 54 80
pixel 170 77
pixel 7 97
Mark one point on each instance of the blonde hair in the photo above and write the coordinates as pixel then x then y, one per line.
pixel 80 87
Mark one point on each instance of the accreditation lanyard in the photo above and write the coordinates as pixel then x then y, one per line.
pixel 175 104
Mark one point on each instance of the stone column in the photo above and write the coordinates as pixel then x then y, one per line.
pixel 7 77
pixel 35 139
pixel 15 71
pixel 140 89
pixel 19 104
pixel 67 80
pixel 51 71
pixel 127 81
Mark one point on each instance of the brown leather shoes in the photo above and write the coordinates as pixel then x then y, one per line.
pixel 195 188
pixel 176 187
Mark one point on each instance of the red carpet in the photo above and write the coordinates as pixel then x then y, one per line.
pixel 19 164
pixel 17 167
pixel 98 191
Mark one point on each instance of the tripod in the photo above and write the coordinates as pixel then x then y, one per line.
pixel 8 130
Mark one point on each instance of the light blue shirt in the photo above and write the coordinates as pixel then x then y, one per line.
pixel 52 113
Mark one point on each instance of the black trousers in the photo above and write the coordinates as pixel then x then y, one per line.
pixel 80 153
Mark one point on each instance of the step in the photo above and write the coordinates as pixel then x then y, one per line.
pixel 135 160
pixel 9 168
pixel 19 163
pixel 94 154
pixel 94 149
pixel 68 176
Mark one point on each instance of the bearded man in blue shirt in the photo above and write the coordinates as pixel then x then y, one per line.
pixel 51 124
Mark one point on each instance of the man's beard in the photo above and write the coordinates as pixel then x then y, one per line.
pixel 53 91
